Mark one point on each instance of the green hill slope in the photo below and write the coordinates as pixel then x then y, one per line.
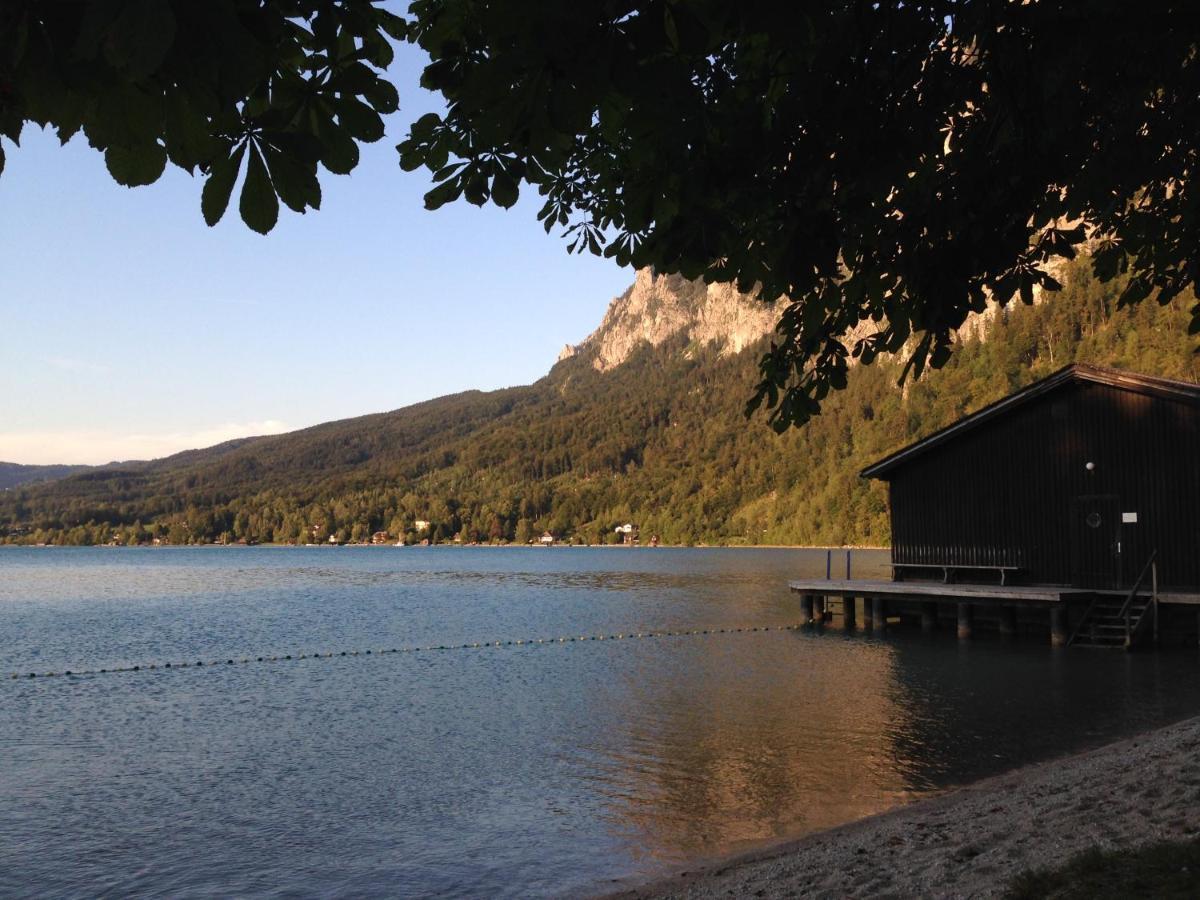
pixel 15 474
pixel 658 440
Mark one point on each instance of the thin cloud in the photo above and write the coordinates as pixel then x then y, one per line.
pixel 71 364
pixel 96 447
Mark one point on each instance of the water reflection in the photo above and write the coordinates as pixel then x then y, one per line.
pixel 532 771
pixel 730 748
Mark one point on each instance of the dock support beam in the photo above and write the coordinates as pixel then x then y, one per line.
pixel 929 616
pixel 819 615
pixel 965 617
pixel 878 614
pixel 1008 621
pixel 849 613
pixel 1058 625
pixel 806 608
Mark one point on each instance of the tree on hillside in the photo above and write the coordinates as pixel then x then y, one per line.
pixel 883 168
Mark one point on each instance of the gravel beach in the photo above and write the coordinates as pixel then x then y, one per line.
pixel 970 842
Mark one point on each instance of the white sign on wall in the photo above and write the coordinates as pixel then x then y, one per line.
pixel 1129 518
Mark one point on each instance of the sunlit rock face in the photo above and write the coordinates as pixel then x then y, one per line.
pixel 658 307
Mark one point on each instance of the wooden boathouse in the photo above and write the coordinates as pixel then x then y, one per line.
pixel 1073 503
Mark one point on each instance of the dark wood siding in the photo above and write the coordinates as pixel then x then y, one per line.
pixel 1016 490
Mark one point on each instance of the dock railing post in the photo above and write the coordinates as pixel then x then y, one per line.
pixel 848 552
pixel 828 564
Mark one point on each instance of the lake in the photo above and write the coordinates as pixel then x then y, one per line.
pixel 520 770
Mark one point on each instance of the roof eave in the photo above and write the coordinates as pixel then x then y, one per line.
pixel 1078 372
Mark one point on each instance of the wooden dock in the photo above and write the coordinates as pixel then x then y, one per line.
pixel 1008 609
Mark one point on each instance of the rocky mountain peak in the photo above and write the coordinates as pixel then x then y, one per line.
pixel 656 307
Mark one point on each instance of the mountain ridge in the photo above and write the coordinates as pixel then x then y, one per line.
pixel 16 474
pixel 657 439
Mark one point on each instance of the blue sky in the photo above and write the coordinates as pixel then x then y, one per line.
pixel 129 329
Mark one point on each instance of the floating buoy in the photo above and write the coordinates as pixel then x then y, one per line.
pixel 380 651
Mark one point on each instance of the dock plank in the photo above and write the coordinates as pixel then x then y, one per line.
pixel 918 590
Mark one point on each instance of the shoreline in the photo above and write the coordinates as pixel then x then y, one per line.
pixel 461 546
pixel 974 839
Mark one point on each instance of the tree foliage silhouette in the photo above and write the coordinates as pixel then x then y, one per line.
pixel 880 169
pixel 274 88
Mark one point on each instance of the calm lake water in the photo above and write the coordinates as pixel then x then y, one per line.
pixel 512 771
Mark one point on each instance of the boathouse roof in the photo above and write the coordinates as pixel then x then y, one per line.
pixel 1073 374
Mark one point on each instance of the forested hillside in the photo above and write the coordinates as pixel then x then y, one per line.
pixel 15 474
pixel 659 440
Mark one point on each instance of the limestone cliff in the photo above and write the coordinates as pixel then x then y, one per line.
pixel 656 307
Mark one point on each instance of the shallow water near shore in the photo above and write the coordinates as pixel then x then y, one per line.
pixel 531 770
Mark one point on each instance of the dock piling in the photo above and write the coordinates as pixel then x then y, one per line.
pixel 806 608
pixel 929 616
pixel 849 613
pixel 820 614
pixel 1008 621
pixel 965 617
pixel 878 615
pixel 1058 625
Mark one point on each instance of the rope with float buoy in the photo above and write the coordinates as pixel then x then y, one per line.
pixel 429 648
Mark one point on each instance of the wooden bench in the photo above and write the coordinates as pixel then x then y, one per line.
pixel 949 570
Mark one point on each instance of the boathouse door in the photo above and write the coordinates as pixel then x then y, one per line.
pixel 1096 542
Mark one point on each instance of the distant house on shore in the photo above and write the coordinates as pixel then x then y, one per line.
pixel 627 532
pixel 1075 480
pixel 546 539
pixel 420 525
pixel 380 537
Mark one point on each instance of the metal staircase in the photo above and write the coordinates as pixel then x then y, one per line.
pixel 1109 622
